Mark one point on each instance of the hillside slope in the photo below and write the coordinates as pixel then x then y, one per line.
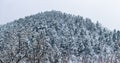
pixel 56 37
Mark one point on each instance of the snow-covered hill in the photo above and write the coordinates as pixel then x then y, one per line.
pixel 56 37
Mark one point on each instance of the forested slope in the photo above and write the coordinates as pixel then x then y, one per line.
pixel 56 37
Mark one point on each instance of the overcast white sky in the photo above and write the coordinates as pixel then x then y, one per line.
pixel 107 12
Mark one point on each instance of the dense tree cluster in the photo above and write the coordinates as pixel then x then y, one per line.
pixel 55 37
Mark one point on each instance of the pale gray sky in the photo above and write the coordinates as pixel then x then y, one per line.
pixel 107 12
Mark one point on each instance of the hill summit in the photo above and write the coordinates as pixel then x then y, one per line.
pixel 56 37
